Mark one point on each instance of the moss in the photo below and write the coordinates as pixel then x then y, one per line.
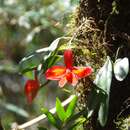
pixel 90 50
pixel 101 34
pixel 123 123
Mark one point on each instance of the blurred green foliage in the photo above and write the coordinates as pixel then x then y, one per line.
pixel 27 25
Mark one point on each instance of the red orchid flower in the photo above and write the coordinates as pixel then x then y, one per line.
pixel 31 88
pixel 67 73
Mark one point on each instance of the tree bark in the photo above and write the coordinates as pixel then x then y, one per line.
pixel 108 31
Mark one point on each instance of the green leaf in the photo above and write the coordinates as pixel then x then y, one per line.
pixel 121 68
pixel 71 107
pixel 54 45
pixel 30 62
pixel 60 110
pixel 51 60
pixel 77 124
pixel 40 55
pixel 50 117
pixel 103 81
pixel 29 75
pixel 94 100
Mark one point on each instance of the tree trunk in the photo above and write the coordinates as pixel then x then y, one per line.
pixel 104 28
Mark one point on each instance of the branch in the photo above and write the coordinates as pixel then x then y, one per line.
pixel 41 117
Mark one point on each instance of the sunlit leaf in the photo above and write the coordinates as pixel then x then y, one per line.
pixel 29 75
pixel 77 124
pixel 71 107
pixel 29 62
pixel 121 68
pixel 60 110
pixel 54 45
pixel 41 55
pixel 103 81
pixel 50 117
pixel 51 60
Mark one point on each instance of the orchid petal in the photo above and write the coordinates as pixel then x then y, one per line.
pixel 72 78
pixel 31 89
pixel 55 72
pixel 69 77
pixel 68 58
pixel 82 72
pixel 62 82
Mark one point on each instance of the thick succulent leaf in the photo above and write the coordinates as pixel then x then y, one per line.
pixel 50 117
pixel 94 100
pixel 40 55
pixel 121 68
pixel 71 107
pixel 60 110
pixel 103 81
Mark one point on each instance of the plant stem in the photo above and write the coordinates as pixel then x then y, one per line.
pixel 45 83
pixel 41 117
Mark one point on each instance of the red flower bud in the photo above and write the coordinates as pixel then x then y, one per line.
pixel 31 89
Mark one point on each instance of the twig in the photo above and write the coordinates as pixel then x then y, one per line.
pixel 43 116
pixel 45 83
